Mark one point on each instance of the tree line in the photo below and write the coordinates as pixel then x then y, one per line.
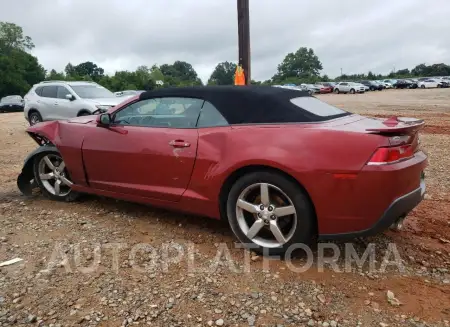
pixel 19 70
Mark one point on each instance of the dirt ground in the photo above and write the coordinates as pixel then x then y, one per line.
pixel 177 270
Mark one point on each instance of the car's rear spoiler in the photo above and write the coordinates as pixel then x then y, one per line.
pixel 399 125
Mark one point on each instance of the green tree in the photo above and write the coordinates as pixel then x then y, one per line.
pixel 19 70
pixel 223 74
pixel 11 37
pixel 180 73
pixel 85 70
pixel 53 75
pixel 303 64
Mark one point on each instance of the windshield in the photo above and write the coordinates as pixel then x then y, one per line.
pixel 92 91
pixel 317 107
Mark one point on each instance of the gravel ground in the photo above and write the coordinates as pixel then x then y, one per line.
pixel 102 262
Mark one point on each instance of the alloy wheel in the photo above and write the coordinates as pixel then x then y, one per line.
pixel 266 215
pixel 53 175
pixel 34 119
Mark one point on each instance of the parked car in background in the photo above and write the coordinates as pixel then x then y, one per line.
pixel 11 103
pixel 414 83
pixel 273 188
pixel 445 83
pixel 403 84
pixel 295 87
pixel 366 88
pixel 380 84
pixel 386 85
pixel 372 85
pixel 54 100
pixel 431 83
pixel 312 87
pixel 390 81
pixel 330 84
pixel 349 87
pixel 324 89
pixel 127 93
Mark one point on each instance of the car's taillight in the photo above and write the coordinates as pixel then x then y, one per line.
pixel 387 155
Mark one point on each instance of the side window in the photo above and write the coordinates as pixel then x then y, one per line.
pixel 38 90
pixel 62 92
pixel 49 91
pixel 210 116
pixel 344 83
pixel 174 112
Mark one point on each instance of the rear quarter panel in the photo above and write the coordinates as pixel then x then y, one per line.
pixel 308 152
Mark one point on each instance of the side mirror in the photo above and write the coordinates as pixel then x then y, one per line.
pixel 70 97
pixel 104 120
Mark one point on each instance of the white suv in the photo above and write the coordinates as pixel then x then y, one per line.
pixel 55 100
pixel 349 87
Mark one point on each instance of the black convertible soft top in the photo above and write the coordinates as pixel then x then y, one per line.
pixel 247 104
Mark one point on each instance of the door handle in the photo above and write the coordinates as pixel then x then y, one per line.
pixel 179 144
pixel 56 103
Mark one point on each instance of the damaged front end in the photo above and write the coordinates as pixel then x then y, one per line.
pixel 44 135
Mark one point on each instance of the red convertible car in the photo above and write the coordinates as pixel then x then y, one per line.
pixel 280 165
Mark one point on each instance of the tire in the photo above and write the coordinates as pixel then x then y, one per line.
pixel 352 91
pixel 296 227
pixel 336 91
pixel 422 86
pixel 34 117
pixel 53 176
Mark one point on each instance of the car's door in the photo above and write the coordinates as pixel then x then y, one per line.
pixel 149 150
pixel 47 105
pixel 343 87
pixel 65 108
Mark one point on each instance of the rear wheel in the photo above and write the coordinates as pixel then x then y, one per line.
pixel 269 213
pixel 336 91
pixel 52 177
pixel 34 117
pixel 422 86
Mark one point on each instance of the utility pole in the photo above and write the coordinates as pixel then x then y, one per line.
pixel 244 37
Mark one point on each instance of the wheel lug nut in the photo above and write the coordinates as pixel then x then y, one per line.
pixel 259 215
pixel 273 217
pixel 261 207
pixel 270 208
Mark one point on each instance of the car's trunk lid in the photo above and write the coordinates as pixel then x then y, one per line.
pixel 398 130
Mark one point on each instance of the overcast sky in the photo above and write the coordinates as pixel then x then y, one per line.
pixel 355 35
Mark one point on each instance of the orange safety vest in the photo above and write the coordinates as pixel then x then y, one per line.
pixel 239 77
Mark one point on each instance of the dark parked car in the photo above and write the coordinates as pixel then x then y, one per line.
pixel 265 159
pixel 372 85
pixel 11 103
pixel 414 83
pixel 403 84
pixel 445 83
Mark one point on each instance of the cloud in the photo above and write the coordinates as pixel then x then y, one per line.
pixel 354 35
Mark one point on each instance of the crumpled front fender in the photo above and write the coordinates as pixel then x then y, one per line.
pixel 48 130
pixel 25 180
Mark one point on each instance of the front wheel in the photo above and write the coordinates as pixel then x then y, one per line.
pixel 352 91
pixel 422 86
pixel 336 91
pixel 52 177
pixel 34 118
pixel 269 213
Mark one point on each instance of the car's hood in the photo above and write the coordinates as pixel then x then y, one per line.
pixel 107 101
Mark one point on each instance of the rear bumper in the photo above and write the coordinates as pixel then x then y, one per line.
pixel 399 208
